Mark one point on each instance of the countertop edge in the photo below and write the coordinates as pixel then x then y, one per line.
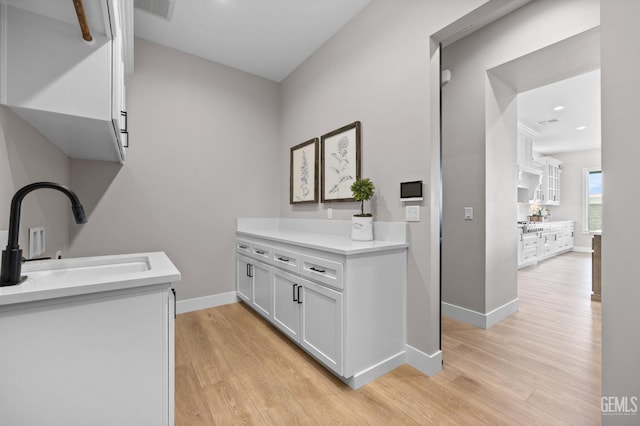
pixel 386 245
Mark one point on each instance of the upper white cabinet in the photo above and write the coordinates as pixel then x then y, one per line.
pixel 70 90
pixel 550 180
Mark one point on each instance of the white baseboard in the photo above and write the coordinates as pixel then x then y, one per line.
pixel 362 378
pixel 479 319
pixel 423 362
pixel 583 249
pixel 205 302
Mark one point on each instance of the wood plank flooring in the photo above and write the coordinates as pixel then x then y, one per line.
pixel 539 366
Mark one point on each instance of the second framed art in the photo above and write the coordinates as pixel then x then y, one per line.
pixel 340 154
pixel 303 175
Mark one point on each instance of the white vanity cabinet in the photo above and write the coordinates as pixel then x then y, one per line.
pixel 343 302
pixel 71 91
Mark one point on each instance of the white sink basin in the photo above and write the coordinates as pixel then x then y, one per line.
pixel 67 277
pixel 86 269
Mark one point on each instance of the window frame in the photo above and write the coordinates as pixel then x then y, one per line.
pixel 585 198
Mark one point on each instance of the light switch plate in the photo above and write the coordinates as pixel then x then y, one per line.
pixel 412 213
pixel 468 213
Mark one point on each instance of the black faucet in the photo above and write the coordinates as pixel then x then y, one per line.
pixel 12 255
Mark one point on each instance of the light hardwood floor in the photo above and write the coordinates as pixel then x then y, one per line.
pixel 539 366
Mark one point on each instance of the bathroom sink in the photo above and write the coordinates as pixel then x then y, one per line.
pixel 48 279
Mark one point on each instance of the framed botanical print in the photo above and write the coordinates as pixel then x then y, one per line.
pixel 340 154
pixel 303 177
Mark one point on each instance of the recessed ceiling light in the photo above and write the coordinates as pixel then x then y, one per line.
pixel 581 127
pixel 558 108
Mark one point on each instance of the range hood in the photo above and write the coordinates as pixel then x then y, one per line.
pixel 529 181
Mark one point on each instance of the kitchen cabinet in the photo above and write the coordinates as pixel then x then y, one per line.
pixel 342 302
pixel 244 278
pixel 311 315
pixel 549 239
pixel 71 91
pixel 550 181
pixel 96 353
pixel 555 238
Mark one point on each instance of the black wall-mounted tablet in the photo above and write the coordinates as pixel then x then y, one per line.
pixel 411 191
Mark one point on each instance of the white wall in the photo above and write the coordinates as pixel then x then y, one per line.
pixel 572 189
pixel 620 159
pixel 27 157
pixel 470 165
pixel 376 70
pixel 204 150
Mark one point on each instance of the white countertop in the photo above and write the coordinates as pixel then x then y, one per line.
pixel 51 279
pixel 338 244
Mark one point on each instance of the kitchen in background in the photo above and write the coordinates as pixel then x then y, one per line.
pixel 559 177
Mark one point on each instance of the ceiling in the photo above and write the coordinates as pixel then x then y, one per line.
pixel 266 38
pixel 558 131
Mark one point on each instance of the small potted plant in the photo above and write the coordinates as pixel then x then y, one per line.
pixel 362 223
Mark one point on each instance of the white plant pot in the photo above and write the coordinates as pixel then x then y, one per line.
pixel 362 228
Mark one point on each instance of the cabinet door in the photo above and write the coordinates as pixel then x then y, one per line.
pixel 244 279
pixel 286 309
pixel 99 358
pixel 322 331
pixel 261 288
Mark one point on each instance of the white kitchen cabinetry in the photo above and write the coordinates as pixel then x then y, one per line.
pixel 342 302
pixel 550 181
pixel 311 315
pixel 556 238
pixel 102 354
pixel 244 278
pixel 552 239
pixel 71 91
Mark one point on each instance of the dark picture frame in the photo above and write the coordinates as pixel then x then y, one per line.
pixel 303 173
pixel 340 156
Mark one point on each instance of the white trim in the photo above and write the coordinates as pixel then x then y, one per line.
pixel 585 196
pixel 423 362
pixel 3 53
pixel 479 319
pixel 205 302
pixel 583 249
pixel 363 377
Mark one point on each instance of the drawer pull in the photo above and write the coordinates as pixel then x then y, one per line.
pixel 260 251
pixel 283 259
pixel 243 247
pixel 294 292
pixel 314 269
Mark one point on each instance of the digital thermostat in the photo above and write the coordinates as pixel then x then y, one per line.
pixel 411 191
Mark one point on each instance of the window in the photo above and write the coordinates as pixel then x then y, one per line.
pixel 593 200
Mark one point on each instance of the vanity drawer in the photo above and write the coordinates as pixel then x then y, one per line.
pixel 261 252
pixel 243 246
pixel 324 270
pixel 285 259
